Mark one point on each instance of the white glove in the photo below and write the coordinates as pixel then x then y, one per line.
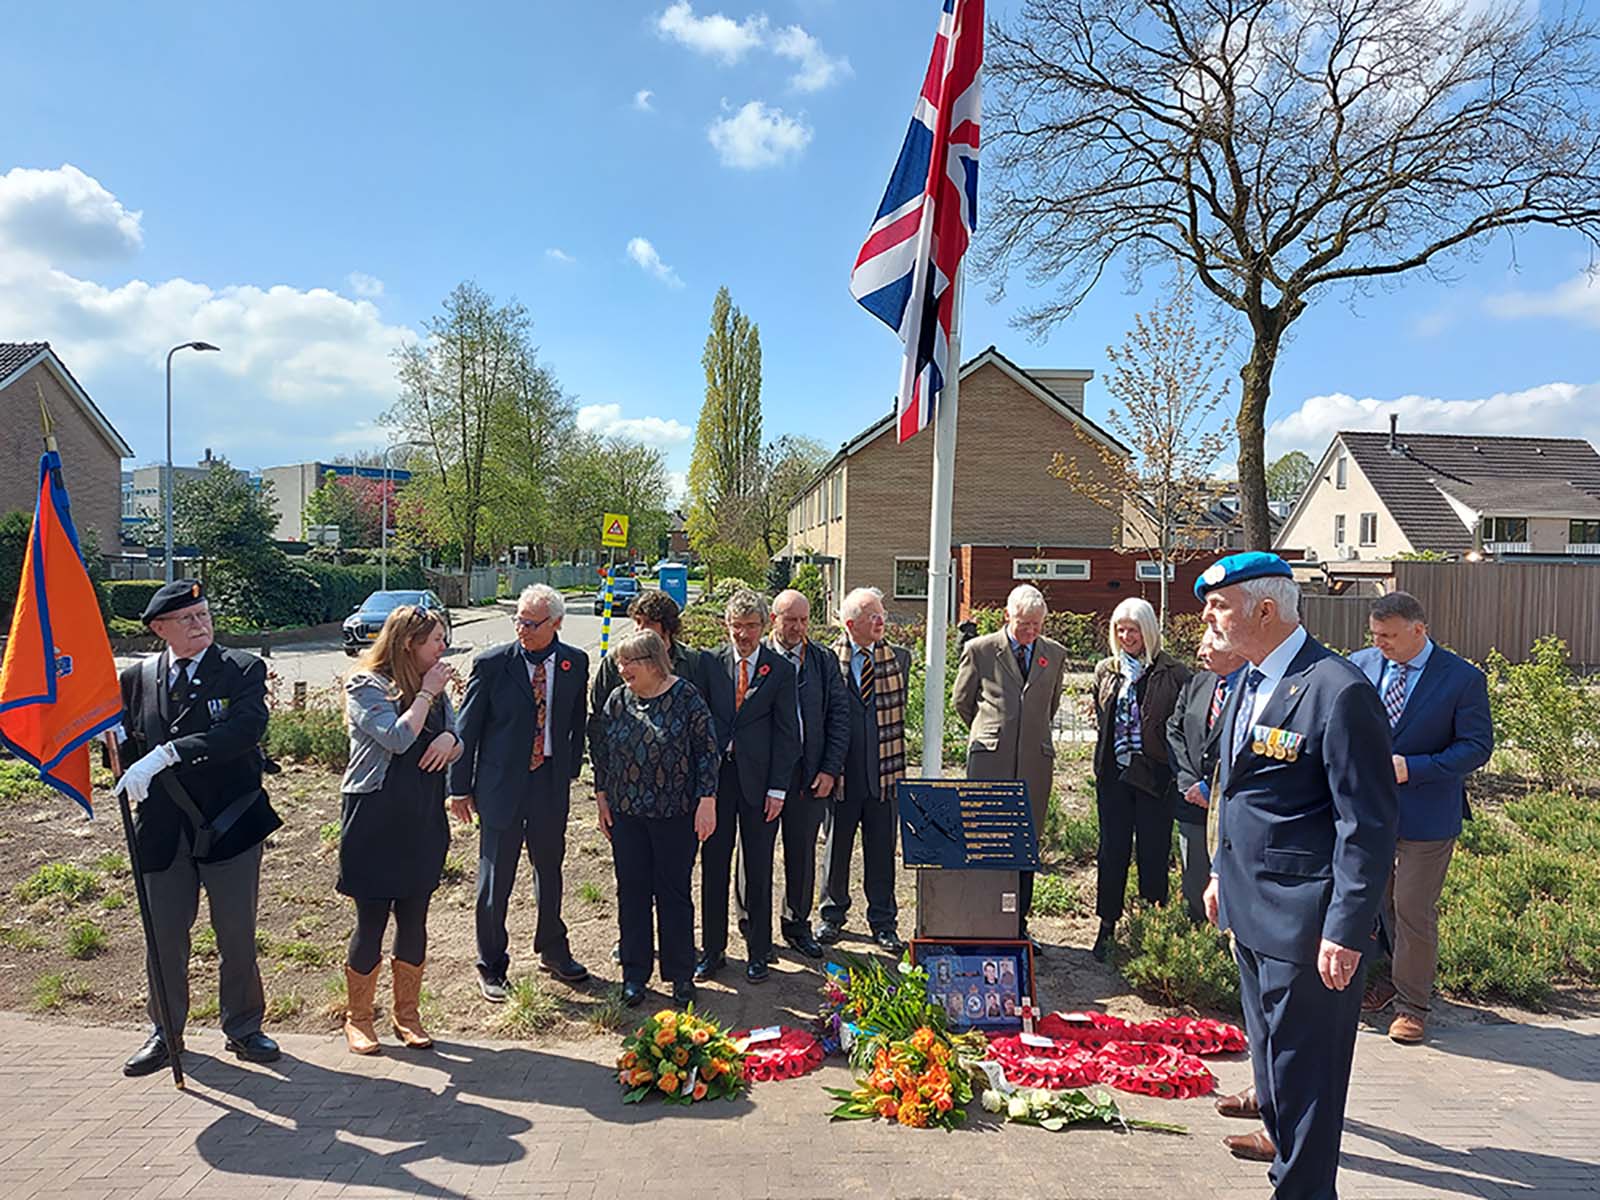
pixel 136 779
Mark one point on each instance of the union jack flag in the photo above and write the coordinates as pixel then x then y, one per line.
pixel 905 273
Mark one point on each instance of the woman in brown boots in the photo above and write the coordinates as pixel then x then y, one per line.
pixel 393 832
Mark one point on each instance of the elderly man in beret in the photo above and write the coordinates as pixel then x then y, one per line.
pixel 1306 840
pixel 192 718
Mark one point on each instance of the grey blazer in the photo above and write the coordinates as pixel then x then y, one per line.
pixel 376 736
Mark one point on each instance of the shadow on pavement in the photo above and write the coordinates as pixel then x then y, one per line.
pixel 1519 1172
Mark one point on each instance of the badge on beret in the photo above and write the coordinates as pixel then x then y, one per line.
pixel 1214 574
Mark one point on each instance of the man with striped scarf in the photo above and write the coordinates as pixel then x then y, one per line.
pixel 877 674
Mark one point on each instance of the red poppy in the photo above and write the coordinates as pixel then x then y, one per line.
pixel 566 664
pixel 1043 661
pixel 762 670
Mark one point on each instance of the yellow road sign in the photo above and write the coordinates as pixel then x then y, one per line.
pixel 614 530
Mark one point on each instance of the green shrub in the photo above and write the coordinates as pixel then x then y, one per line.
pixel 329 832
pixel 1054 896
pixel 130 596
pixel 807 581
pixel 1182 636
pixel 1544 714
pixel 85 939
pixel 1166 956
pixel 122 627
pixel 15 528
pixel 344 587
pixel 67 880
pixel 112 901
pixel 702 629
pixel 285 1007
pixel 529 1009
pixel 303 953
pixel 204 944
pixel 55 989
pixel 112 862
pixel 20 937
pixel 314 734
pixel 727 584
pixel 19 781
pixel 1557 820
pixel 1069 836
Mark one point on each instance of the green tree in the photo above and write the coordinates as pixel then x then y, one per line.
pixel 787 465
pixel 1287 476
pixel 725 467
pixel 600 475
pixel 530 435
pixel 357 512
pixel 224 518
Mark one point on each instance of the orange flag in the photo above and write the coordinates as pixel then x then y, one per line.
pixel 58 684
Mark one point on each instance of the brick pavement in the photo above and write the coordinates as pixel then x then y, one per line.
pixel 1507 1110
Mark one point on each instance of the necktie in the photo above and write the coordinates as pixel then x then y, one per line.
pixel 1244 715
pixel 1022 662
pixel 180 682
pixel 1218 695
pixel 536 756
pixel 866 678
pixel 1394 696
pixel 797 658
pixel 743 685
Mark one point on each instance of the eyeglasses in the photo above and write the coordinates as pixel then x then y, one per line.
pixel 530 626
pixel 189 618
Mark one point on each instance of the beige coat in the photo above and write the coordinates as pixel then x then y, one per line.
pixel 1009 720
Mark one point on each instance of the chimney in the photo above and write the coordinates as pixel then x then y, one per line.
pixel 1394 440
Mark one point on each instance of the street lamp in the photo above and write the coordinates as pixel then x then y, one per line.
pixel 167 481
pixel 383 535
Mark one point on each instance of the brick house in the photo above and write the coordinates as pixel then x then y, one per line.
pixel 91 449
pixel 863 519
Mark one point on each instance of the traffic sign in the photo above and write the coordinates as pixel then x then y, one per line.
pixel 614 529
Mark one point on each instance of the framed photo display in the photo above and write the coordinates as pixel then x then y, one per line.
pixel 979 983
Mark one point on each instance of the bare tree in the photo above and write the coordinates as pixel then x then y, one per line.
pixel 1278 148
pixel 787 465
pixel 1166 413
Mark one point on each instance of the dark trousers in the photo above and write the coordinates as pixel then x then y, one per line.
pixel 410 932
pixel 737 817
pixel 1129 816
pixel 233 886
pixel 879 822
pixel 1302 1041
pixel 654 858
pixel 541 826
pixel 798 826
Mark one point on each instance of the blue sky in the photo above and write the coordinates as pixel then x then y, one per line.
pixel 303 183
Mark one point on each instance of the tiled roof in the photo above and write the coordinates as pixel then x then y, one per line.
pixel 1408 476
pixel 14 354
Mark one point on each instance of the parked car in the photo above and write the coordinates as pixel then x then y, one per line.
pixel 623 590
pixel 361 626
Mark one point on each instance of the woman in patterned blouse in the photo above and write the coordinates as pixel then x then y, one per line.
pixel 655 780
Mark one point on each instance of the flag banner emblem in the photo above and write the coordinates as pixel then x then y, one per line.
pixel 906 271
pixel 58 682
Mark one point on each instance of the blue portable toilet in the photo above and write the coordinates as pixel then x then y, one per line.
pixel 673 579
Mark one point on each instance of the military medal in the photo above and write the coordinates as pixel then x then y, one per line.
pixel 1259 745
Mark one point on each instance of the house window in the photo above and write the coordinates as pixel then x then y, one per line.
pixel 1341 472
pixel 838 496
pixel 910 578
pixel 1050 568
pixel 1150 572
pixel 1583 533
pixel 1505 529
pixel 1369 529
pixel 1338 530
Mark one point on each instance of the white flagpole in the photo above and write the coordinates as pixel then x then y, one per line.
pixel 939 560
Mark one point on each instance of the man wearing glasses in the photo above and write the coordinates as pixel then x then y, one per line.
pixel 192 721
pixel 522 735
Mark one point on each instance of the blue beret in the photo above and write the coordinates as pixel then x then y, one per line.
pixel 1236 568
pixel 170 597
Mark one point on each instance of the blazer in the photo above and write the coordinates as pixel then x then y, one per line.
pixel 1157 690
pixel 373 714
pixel 1305 847
pixel 763 734
pixel 863 777
pixel 824 712
pixel 1192 749
pixel 216 729
pixel 496 729
pixel 1445 734
pixel 1009 719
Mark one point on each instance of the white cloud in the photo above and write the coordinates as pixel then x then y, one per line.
pixel 716 35
pixel 642 98
pixel 64 214
pixel 644 255
pixel 677 488
pixel 817 68
pixel 608 421
pixel 1547 410
pixel 1578 299
pixel 557 254
pixel 369 287
pixel 758 136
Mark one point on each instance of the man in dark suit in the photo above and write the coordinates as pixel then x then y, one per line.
pixel 522 737
pixel 193 717
pixel 1438 708
pixel 1194 732
pixel 1306 841
pixel 750 690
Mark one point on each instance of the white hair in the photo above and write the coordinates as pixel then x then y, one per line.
pixel 1144 616
pixel 850 606
pixel 1284 594
pixel 554 603
pixel 1025 599
pixel 746 602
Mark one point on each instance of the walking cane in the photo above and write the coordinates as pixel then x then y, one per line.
pixel 157 980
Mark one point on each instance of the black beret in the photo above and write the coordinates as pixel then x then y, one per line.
pixel 170 597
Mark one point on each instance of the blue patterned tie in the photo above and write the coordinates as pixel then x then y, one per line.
pixel 1244 715
pixel 1394 695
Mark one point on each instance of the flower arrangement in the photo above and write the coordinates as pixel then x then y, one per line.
pixel 914 1080
pixel 862 996
pixel 793 1053
pixel 1055 1110
pixel 681 1056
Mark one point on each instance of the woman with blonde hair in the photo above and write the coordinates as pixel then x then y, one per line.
pixel 1135 690
pixel 393 833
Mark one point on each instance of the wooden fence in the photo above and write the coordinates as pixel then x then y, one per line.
pixel 1477 607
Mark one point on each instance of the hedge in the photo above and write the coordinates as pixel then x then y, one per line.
pixel 130 596
pixel 345 587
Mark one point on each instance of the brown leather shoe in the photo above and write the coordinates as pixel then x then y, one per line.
pixel 1377 996
pixel 360 990
pixel 1240 1104
pixel 1253 1147
pixel 407 1016
pixel 1408 1029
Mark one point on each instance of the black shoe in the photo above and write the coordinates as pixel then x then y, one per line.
pixel 683 993
pixel 828 933
pixel 495 991
pixel 255 1047
pixel 757 972
pixel 805 944
pixel 616 953
pixel 1103 943
pixel 708 966
pixel 772 957
pixel 568 970
pixel 632 994
pixel 149 1058
pixel 889 942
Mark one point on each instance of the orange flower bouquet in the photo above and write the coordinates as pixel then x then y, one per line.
pixel 682 1058
pixel 915 1081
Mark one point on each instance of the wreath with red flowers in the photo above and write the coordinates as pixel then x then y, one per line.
pixel 794 1053
pixel 1154 1058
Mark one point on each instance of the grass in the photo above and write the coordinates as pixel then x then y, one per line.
pixel 18 781
pixel 1069 836
pixel 68 881
pixel 329 833
pixel 300 952
pixel 529 1010
pixel 335 997
pixel 589 892
pixel 1168 958
pixel 53 990
pixel 455 868
pixel 112 862
pixel 206 1010
pixel 112 901
pixel 20 937
pixel 285 1006
pixel 309 924
pixel 204 944
pixel 1055 896
pixel 610 1014
pixel 85 939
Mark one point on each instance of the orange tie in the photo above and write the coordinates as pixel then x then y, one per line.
pixel 744 684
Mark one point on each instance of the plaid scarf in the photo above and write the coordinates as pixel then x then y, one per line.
pixel 889 704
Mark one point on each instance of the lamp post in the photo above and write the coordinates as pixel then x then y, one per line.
pixel 166 503
pixel 383 533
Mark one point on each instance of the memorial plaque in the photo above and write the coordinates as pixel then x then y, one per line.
pixel 978 984
pixel 955 824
